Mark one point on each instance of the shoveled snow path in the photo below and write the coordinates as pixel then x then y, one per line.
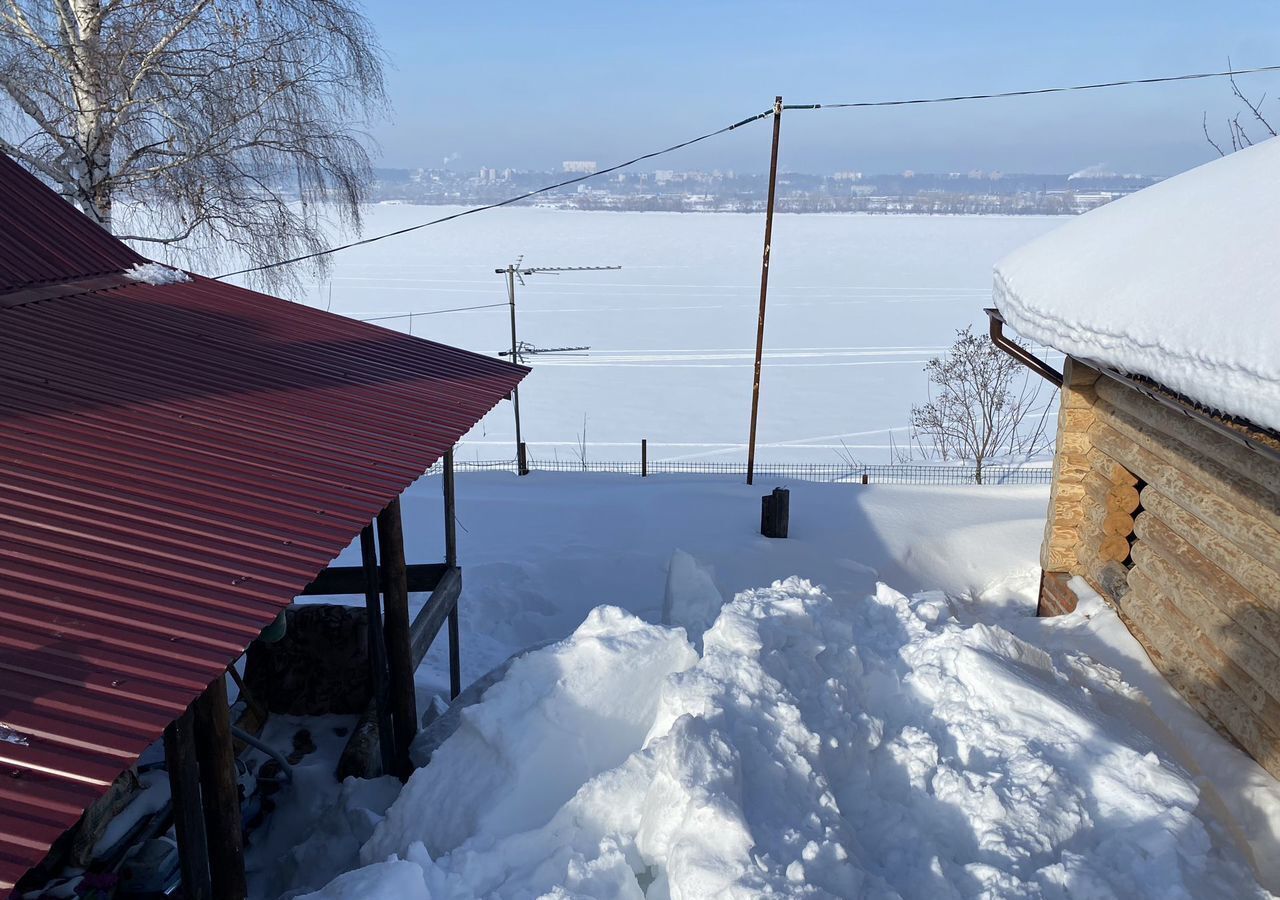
pixel 820 747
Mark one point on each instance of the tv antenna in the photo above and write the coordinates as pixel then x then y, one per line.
pixel 517 271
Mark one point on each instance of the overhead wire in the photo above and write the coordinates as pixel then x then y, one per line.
pixel 863 104
pixel 430 312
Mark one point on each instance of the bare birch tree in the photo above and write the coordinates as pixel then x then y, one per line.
pixel 986 406
pixel 1236 132
pixel 218 128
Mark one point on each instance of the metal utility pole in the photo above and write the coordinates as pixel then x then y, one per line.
pixel 764 286
pixel 514 271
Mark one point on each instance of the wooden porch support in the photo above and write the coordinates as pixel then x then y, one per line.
pixel 377 648
pixel 451 560
pixel 188 813
pixel 404 706
pixel 220 790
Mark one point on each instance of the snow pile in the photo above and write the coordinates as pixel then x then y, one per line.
pixel 154 273
pixel 818 747
pixel 1172 282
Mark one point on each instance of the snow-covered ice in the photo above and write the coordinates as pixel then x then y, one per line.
pixel 1174 282
pixel 857 305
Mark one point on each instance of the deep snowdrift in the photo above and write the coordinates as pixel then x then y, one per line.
pixel 817 747
pixel 1173 282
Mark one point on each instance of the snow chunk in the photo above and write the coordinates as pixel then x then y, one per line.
pixel 692 600
pixel 819 747
pixel 154 273
pixel 1170 282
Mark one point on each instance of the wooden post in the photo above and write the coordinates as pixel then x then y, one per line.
pixel 522 459
pixel 395 584
pixel 188 814
pixel 644 458
pixel 451 560
pixel 220 790
pixel 377 649
pixel 764 286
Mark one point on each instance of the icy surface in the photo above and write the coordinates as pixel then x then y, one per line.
pixel 154 273
pixel 1174 282
pixel 826 747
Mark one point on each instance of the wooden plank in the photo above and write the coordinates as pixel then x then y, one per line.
pixel 395 599
pixel 1245 663
pixel 1248 496
pixel 1255 537
pixel 431 618
pixel 188 814
pixel 1249 611
pixel 1193 534
pixel 340 580
pixel 1193 432
pixel 1184 653
pixel 220 790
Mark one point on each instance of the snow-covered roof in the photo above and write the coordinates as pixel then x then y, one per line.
pixel 1179 282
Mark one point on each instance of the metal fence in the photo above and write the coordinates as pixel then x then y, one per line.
pixel 833 472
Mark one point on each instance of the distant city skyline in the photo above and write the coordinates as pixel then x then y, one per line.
pixel 530 86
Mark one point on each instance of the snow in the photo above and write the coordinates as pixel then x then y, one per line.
pixel 821 747
pixel 154 273
pixel 857 305
pixel 1172 282
pixel 827 736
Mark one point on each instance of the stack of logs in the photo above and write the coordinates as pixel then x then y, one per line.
pixel 1179 526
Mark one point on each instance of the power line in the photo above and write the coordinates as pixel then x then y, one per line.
pixel 488 206
pixel 1029 93
pixel 430 312
pixel 866 104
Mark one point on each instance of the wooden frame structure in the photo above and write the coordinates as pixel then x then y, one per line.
pixel 1172 515
pixel 198 745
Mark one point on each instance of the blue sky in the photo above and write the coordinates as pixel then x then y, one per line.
pixel 530 84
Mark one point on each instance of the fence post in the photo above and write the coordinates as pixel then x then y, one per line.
pixel 522 459
pixel 864 476
pixel 644 457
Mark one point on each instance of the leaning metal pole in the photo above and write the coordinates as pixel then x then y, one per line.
pixel 764 286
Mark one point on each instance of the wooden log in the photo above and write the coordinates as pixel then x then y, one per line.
pixel 1057 559
pixel 1071 466
pixel 1192 432
pixel 404 704
pixel 188 813
pixel 1075 419
pixel 1109 469
pixel 1140 615
pixel 1074 442
pixel 1248 496
pixel 1068 514
pixel 1182 654
pixel 1246 663
pixel 1077 397
pixel 1115 497
pixel 1193 534
pixel 1225 592
pixel 450 491
pixel 1077 374
pixel 1108 521
pixel 1255 537
pixel 342 580
pixel 1113 548
pixel 379 672
pixel 220 792
pixel 1067 493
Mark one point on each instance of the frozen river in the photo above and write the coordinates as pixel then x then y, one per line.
pixel 857 304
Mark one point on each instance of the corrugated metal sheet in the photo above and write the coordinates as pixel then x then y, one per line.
pixel 176 463
pixel 44 239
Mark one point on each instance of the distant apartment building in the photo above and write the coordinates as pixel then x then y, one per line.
pixel 583 166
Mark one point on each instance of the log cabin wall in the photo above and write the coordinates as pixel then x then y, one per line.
pixel 1179 527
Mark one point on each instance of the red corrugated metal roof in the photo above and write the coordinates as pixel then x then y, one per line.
pixel 44 242
pixel 176 463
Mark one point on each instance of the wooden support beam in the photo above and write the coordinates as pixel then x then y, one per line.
pixel 339 580
pixel 379 678
pixel 432 617
pixel 450 516
pixel 451 559
pixel 188 813
pixel 395 585
pixel 220 790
